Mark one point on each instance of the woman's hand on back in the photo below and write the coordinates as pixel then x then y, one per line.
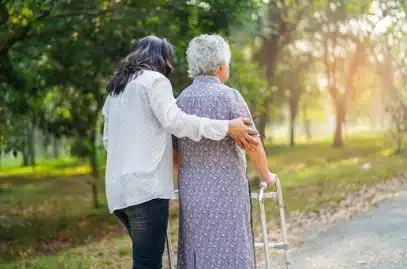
pixel 242 134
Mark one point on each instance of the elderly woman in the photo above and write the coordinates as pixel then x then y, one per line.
pixel 215 209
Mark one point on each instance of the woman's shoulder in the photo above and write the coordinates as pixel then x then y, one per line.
pixel 152 74
pixel 232 94
pixel 149 77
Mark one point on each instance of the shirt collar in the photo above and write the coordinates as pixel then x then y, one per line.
pixel 206 78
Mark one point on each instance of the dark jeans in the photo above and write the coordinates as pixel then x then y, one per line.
pixel 147 226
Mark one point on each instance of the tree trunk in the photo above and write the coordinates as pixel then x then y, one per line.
pixel 55 147
pixel 292 125
pixel 292 132
pixel 340 118
pixel 94 171
pixel 268 58
pixel 307 123
pixel 31 147
pixel 399 144
pixel 293 115
pixel 26 161
pixel 25 150
pixel 263 119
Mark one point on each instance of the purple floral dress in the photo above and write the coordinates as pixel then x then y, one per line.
pixel 215 209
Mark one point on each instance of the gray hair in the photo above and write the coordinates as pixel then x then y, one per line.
pixel 206 53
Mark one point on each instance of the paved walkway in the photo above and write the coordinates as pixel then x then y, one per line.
pixel 374 240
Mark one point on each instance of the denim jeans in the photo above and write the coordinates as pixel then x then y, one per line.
pixel 147 225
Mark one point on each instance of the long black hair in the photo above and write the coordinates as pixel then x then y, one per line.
pixel 149 53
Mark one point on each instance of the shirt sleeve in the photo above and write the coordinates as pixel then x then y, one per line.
pixel 178 123
pixel 105 125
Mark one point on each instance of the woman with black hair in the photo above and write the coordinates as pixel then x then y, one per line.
pixel 140 116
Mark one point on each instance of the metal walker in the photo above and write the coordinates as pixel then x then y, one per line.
pixel 266 245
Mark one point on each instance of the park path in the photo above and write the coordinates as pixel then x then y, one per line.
pixel 376 239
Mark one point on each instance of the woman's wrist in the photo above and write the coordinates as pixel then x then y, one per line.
pixel 265 176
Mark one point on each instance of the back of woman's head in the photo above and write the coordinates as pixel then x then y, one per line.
pixel 206 53
pixel 149 53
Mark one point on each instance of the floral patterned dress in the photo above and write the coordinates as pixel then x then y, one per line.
pixel 215 209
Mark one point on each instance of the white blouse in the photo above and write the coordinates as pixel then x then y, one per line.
pixel 137 137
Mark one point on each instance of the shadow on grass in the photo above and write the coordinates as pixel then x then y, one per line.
pixel 44 215
pixel 6 182
pixel 16 179
pixel 39 235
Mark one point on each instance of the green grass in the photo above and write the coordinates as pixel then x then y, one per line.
pixel 44 215
pixel 7 162
pixel 51 212
pixel 67 166
pixel 106 254
pixel 316 175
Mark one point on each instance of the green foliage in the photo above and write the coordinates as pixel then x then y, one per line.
pixel 13 136
pixel 358 7
pixel 81 148
pixel 68 50
pixel 58 55
pixel 388 51
pixel 247 77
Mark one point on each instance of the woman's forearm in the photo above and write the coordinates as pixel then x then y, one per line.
pixel 258 158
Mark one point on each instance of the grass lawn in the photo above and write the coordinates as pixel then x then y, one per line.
pixel 51 212
pixel 106 254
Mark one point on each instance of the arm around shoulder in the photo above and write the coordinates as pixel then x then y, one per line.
pixel 175 121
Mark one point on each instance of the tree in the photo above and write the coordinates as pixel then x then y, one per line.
pixel 310 107
pixel 344 50
pixel 26 31
pixel 246 74
pixel 291 80
pixel 282 20
pixel 389 53
pixel 76 46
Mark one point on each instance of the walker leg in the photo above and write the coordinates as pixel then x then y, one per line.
pixel 282 220
pixel 264 229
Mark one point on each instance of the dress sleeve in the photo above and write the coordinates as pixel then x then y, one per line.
pixel 239 108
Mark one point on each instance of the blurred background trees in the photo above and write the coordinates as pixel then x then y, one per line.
pixel 325 81
pixel 306 68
